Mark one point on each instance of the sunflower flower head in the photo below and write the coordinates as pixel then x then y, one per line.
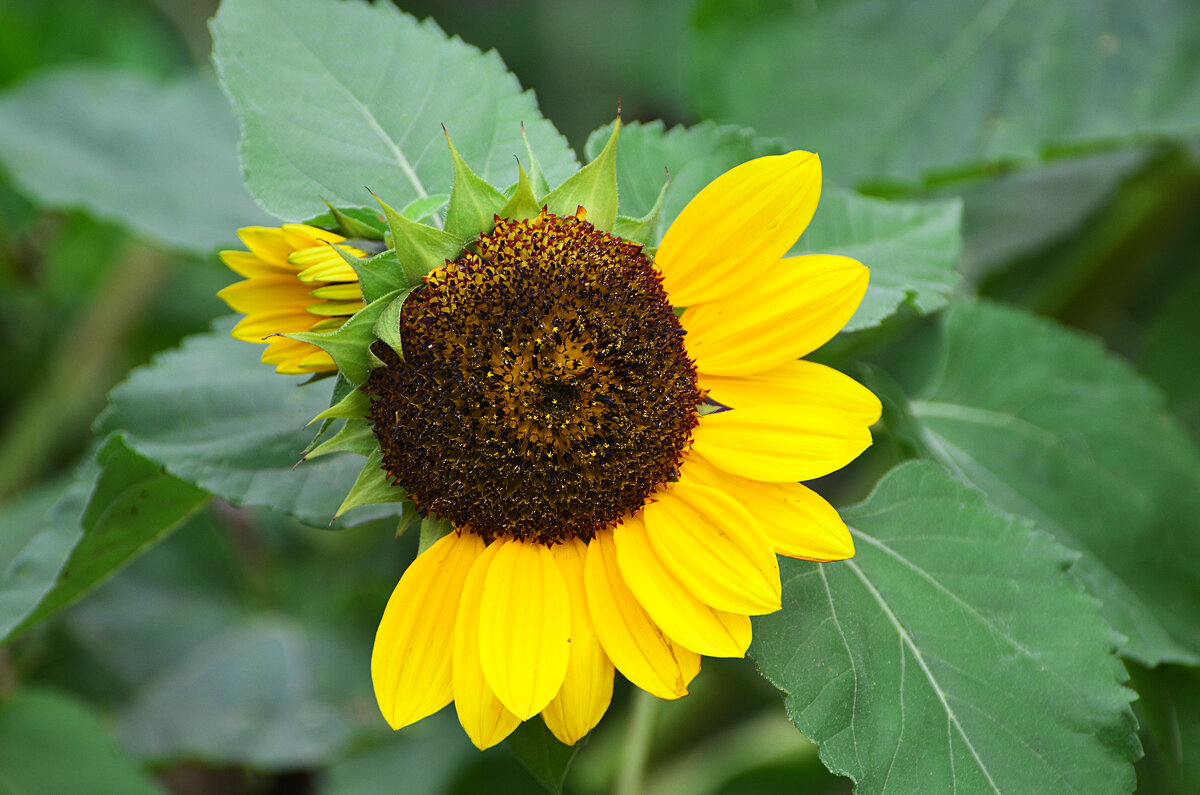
pixel 613 437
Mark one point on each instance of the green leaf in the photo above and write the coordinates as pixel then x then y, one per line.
pixel 542 754
pixel 334 96
pixel 930 663
pixel 1171 357
pixel 900 91
pixel 213 415
pixel 910 247
pixel 52 743
pixel 432 753
pixel 357 222
pixel 593 187
pixel 157 158
pixel 132 506
pixel 473 201
pixel 249 694
pixel 350 345
pixel 373 486
pixel 1017 214
pixel 1169 697
pixel 38 530
pixel 1050 427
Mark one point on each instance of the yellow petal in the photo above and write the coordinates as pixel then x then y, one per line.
pixel 789 310
pixel 326 269
pixel 587 689
pixel 715 547
pixel 738 226
pixel 264 293
pixel 634 643
pixel 525 627
pixel 246 264
pixel 410 663
pixel 798 383
pixel 301 236
pixel 798 522
pixel 317 361
pixel 338 292
pixel 686 620
pixel 281 350
pixel 335 308
pixel 481 714
pixel 260 325
pixel 781 443
pixel 269 245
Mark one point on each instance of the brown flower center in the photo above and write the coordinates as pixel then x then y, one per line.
pixel 545 391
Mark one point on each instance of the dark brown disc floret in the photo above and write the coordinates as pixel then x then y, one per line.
pixel 545 391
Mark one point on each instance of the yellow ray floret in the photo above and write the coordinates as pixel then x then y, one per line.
pixel 294 281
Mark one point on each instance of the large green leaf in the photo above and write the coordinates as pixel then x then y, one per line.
pixel 215 416
pixel 1171 357
pixel 334 96
pixel 158 158
pixel 898 90
pixel 250 694
pixel 911 248
pixel 951 654
pixel 1051 428
pixel 1169 700
pixel 38 530
pixel 132 504
pixel 51 743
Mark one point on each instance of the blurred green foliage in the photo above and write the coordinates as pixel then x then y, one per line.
pixel 231 657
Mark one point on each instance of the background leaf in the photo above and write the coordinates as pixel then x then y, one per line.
pixel 131 505
pixel 930 663
pixel 156 157
pixel 542 754
pixel 1050 427
pixel 51 743
pixel 894 91
pixel 321 121
pixel 911 248
pixel 215 416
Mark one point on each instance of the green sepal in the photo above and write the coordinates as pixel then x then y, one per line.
pixel 474 202
pixel 342 389
pixel 377 275
pixel 593 187
pixel 350 345
pixel 419 248
pixel 361 222
pixel 355 436
pixel 372 486
pixel 643 230
pixel 387 326
pixel 433 530
pixel 524 203
pixel 537 177
pixel 358 222
pixel 355 405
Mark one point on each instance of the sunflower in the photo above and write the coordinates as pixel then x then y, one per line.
pixel 617 441
pixel 294 281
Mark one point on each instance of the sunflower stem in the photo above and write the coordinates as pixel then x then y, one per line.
pixel 631 776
